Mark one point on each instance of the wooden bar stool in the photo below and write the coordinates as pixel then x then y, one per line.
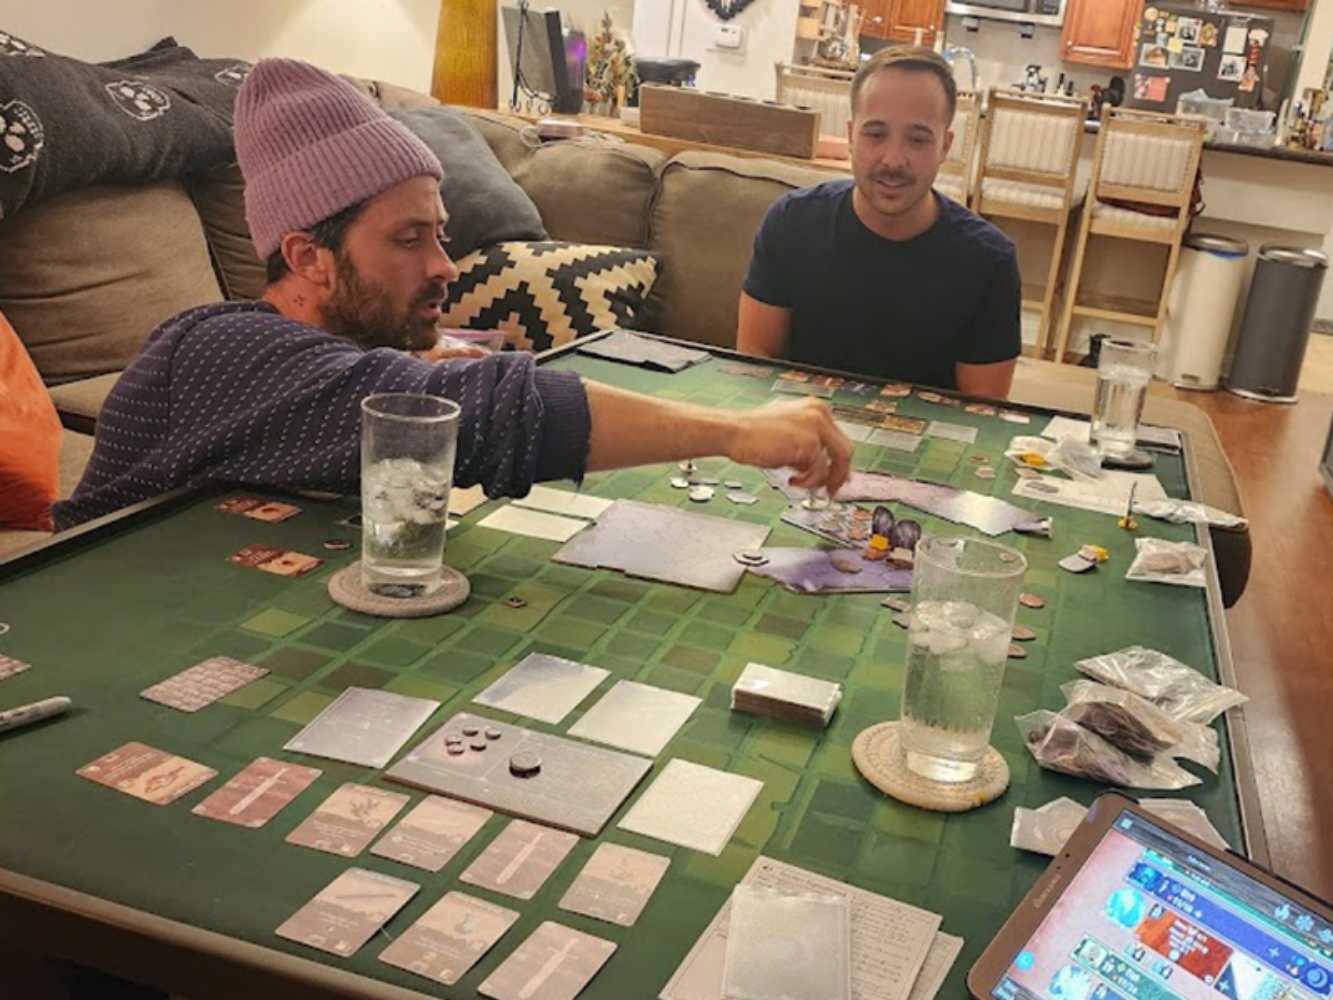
pixel 1150 159
pixel 955 177
pixel 1029 166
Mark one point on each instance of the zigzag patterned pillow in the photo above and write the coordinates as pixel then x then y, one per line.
pixel 546 294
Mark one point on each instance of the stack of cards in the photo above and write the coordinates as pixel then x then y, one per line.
pixel 10 666
pixel 780 694
pixel 794 946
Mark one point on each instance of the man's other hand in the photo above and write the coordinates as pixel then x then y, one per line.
pixel 797 433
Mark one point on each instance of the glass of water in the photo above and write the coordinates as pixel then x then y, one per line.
pixel 407 466
pixel 1123 373
pixel 964 597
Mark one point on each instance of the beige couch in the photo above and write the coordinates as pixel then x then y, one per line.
pixel 85 277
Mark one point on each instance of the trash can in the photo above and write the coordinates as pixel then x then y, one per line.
pixel 1276 328
pixel 1202 309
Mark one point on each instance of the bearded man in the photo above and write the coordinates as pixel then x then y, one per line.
pixel 344 205
pixel 879 274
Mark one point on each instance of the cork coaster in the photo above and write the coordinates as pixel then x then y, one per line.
pixel 346 587
pixel 879 757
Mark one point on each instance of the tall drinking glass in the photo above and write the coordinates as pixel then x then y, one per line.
pixel 1123 372
pixel 964 596
pixel 407 467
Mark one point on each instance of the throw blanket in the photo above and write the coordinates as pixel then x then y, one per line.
pixel 65 124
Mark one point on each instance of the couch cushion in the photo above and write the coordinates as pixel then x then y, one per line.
pixel 485 205
pixel 590 191
pixel 86 277
pixel 704 219
pixel 505 134
pixel 219 198
pixel 29 439
pixel 79 402
pixel 546 294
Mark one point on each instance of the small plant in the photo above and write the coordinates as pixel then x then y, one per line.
pixel 611 74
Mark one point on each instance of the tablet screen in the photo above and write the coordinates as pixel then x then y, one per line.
pixel 1149 917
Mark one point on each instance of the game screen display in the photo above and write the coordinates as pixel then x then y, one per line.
pixel 1148 917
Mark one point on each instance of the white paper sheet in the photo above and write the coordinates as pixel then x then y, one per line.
pixel 636 717
pixel 1107 495
pixel 1233 43
pixel 532 523
pixel 890 940
pixel 939 960
pixel 1063 427
pixel 564 502
pixel 694 806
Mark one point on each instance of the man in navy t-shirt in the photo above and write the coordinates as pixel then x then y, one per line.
pixel 879 274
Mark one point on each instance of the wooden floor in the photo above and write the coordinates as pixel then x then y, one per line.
pixel 1281 630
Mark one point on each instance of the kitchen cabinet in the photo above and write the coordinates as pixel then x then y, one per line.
pixel 1275 4
pixel 1101 32
pixel 900 20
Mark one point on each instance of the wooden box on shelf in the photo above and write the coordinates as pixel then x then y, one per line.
pixel 723 120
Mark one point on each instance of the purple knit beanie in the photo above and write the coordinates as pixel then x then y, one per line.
pixel 310 144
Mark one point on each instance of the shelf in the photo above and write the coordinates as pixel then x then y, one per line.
pixel 1118 308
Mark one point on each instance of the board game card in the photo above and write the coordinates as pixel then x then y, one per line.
pixel 897 440
pixel 287 563
pixel 254 555
pixel 348 820
pixel 255 794
pixel 555 963
pixel 542 687
pixel 615 884
pixel 794 375
pixel 532 523
pixel 520 859
pixel 463 501
pixel 203 683
pixel 564 502
pixel 348 911
pixel 802 389
pixel 951 432
pixel 908 425
pixel 882 406
pixel 238 505
pixel 744 370
pixel 636 717
pixel 633 349
pixel 449 938
pixel 896 390
pixel 853 432
pixel 693 806
pixel 272 512
pixel 363 726
pixel 146 773
pixel 432 833
pixel 10 666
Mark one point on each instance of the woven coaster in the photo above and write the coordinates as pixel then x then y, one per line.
pixel 879 757
pixel 347 588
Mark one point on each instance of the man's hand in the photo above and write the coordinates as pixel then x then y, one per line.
pixel 448 352
pixel 797 433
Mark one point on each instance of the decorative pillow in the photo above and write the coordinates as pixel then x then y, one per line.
pixel 486 206
pixel 544 295
pixel 29 440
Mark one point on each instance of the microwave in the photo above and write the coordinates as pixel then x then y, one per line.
pixel 1047 12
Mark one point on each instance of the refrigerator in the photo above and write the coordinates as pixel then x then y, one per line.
pixel 1182 49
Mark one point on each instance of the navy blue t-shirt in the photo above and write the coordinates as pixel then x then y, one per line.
pixel 904 310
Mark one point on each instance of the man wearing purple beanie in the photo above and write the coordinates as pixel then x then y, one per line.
pixel 344 205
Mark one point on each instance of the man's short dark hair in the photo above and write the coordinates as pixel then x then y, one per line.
pixel 909 57
pixel 329 234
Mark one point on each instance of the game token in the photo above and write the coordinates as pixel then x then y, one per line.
pixel 929 397
pixel 734 484
pixel 1017 652
pixel 899 604
pixel 523 765
pixel 1026 473
pixel 750 557
pixel 4 627
pixel 515 602
pixel 902 619
pixel 1024 634
pixel 454 748
pixel 701 494
pixel 949 401
pixel 1031 601
pixel 493 734
pixel 845 562
pixel 742 498
pixel 1094 553
pixel 1014 417
pixel 470 730
pixel 985 472
pixel 1077 564
pixel 705 481
pixel 687 465
pixel 813 502
pixel 478 744
pixel 680 482
pixel 337 544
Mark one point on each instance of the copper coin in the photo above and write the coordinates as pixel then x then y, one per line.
pixel 337 544
pixel 985 472
pixel 1031 601
pixel 478 744
pixel 1017 652
pixel 524 764
pixel 454 748
pixel 471 730
pixel 493 734
pixel 1024 634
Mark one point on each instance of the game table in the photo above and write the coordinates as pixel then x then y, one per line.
pixel 189 904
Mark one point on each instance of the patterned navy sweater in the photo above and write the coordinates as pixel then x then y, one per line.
pixel 235 392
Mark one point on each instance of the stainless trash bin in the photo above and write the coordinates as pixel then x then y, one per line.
pixel 1276 328
pixel 1202 310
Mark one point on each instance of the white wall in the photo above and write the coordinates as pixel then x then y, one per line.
pixel 687 32
pixel 391 40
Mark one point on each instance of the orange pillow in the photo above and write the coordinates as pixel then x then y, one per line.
pixel 29 439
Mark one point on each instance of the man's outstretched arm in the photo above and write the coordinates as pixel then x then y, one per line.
pixel 633 429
